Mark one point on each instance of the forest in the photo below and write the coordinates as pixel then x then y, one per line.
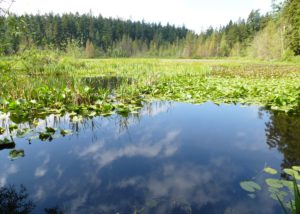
pixel 274 35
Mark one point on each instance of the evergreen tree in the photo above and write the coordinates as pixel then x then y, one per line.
pixel 292 13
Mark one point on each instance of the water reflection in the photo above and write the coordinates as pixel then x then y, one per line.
pixel 106 82
pixel 169 158
pixel 15 200
pixel 283 133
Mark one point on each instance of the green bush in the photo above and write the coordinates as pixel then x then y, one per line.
pixel 34 61
pixel 5 67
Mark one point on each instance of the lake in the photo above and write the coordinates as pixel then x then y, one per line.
pixel 170 158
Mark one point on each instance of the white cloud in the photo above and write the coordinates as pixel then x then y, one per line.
pixel 42 170
pixel 102 156
pixel 8 170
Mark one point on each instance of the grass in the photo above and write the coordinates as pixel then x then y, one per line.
pixel 37 83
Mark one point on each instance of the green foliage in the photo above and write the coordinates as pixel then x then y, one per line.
pixel 15 154
pixel 292 14
pixel 286 192
pixel 35 61
pixel 268 43
pixel 288 55
pixel 267 36
pixel 5 67
pixel 2 130
pixel 73 83
pixel 68 31
pixel 7 144
pixel 73 49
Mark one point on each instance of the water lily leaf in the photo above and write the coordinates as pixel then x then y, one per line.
pixel 12 127
pixel 270 170
pixel 15 154
pixel 290 172
pixel 2 130
pixel 77 119
pixel 92 114
pixel 45 136
pixel 65 132
pixel 107 114
pixel 288 184
pixel 23 132
pixel 6 144
pixel 50 130
pixel 35 123
pixel 274 183
pixel 297 177
pixel 297 168
pixel 250 186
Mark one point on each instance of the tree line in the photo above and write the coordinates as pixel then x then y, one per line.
pixel 273 35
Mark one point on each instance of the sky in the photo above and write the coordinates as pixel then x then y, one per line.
pixel 196 15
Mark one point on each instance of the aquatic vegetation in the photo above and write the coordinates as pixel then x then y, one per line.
pixel 15 154
pixel 285 191
pixel 88 88
pixel 7 144
pixel 251 187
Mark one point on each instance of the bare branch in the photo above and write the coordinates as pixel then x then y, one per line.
pixel 5 6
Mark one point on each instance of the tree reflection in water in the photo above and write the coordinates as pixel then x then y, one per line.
pixel 15 200
pixel 283 133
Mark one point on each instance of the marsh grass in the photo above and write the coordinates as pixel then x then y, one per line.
pixel 37 80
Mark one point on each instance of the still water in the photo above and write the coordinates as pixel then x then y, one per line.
pixel 170 158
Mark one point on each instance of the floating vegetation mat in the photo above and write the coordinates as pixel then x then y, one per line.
pixel 105 87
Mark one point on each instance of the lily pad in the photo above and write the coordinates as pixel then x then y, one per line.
pixel 50 130
pixel 274 183
pixel 43 136
pixel 23 132
pixel 2 130
pixel 250 186
pixel 7 144
pixel 290 172
pixel 297 168
pixel 15 154
pixel 270 170
pixel 12 127
pixel 65 132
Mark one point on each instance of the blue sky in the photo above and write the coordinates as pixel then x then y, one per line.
pixel 195 14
